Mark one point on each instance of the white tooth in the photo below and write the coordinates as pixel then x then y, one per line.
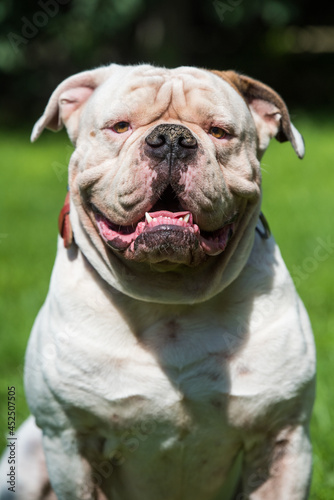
pixel 148 217
pixel 186 218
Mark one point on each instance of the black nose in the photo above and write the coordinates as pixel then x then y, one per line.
pixel 171 141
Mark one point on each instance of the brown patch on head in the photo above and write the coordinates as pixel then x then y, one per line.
pixel 264 102
pixel 252 91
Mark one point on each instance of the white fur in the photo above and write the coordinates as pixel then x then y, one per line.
pixel 196 383
pixel 152 401
pixel 300 146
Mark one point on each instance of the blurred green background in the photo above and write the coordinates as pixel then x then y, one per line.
pixel 288 45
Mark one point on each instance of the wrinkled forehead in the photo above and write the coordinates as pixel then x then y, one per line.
pixel 188 91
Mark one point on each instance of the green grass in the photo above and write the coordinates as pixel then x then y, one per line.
pixel 33 180
pixel 297 201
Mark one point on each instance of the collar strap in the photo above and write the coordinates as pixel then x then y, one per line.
pixel 265 233
pixel 64 223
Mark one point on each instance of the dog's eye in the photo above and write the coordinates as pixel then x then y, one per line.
pixel 218 132
pixel 121 127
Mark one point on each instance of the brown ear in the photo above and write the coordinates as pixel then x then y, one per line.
pixel 65 104
pixel 269 111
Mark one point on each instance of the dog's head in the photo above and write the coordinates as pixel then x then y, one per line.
pixel 165 177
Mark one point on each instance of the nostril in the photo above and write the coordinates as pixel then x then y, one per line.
pixel 171 142
pixel 188 141
pixel 155 141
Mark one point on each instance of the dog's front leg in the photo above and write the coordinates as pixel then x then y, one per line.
pixel 70 473
pixel 278 468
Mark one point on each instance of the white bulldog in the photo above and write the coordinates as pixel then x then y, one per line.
pixel 173 358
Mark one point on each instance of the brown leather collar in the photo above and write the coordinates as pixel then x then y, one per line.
pixel 64 223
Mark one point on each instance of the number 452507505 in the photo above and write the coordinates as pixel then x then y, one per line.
pixel 11 410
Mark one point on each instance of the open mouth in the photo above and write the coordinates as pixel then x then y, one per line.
pixel 156 224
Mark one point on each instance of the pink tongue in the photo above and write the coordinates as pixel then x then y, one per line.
pixel 124 240
pixel 214 246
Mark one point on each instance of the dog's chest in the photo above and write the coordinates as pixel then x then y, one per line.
pixel 160 400
pixel 176 365
pixel 163 409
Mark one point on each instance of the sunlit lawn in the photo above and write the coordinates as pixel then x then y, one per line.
pixel 298 203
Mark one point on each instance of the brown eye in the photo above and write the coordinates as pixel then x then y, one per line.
pixel 218 132
pixel 121 127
